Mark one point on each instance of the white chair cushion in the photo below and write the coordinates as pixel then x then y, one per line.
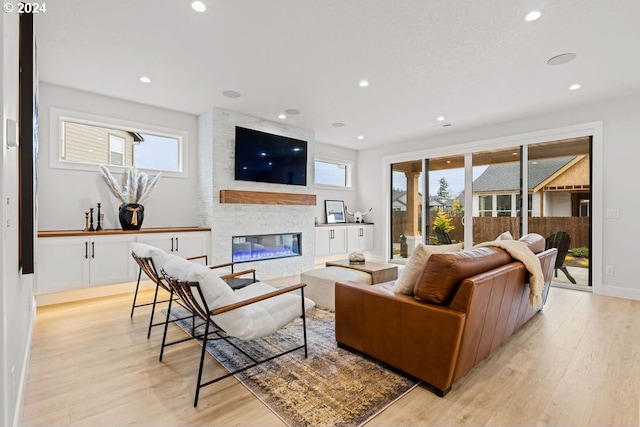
pixel 261 318
pixel 417 262
pixel 216 292
pixel 143 250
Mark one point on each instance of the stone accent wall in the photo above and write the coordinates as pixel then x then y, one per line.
pixel 216 145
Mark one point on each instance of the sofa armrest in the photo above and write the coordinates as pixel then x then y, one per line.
pixel 421 339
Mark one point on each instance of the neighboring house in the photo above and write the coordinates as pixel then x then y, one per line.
pixel 399 201
pixel 557 187
pixel 99 145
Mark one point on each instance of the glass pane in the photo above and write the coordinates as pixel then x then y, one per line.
pixel 92 144
pixel 446 200
pixel 406 206
pixel 496 193
pixel 157 152
pixel 560 182
pixel 329 173
pixel 116 159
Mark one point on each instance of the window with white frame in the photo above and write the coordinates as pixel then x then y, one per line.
pixel 116 150
pixel 86 140
pixel 332 173
pixel 485 207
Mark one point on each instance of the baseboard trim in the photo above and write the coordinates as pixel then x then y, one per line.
pixel 619 292
pixel 94 292
pixel 17 416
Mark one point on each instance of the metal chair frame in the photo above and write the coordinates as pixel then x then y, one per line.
pixel 149 268
pixel 184 291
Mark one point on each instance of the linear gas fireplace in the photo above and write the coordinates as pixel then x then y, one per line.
pixel 266 246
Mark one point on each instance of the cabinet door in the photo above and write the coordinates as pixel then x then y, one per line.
pixel 338 241
pixel 63 264
pixel 162 241
pixel 353 238
pixel 366 238
pixel 360 238
pixel 191 244
pixel 110 260
pixel 323 236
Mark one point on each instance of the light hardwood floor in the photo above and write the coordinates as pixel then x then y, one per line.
pixel 575 364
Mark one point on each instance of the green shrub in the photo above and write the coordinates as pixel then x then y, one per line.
pixel 442 222
pixel 580 252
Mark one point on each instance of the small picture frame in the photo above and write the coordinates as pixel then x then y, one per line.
pixel 334 210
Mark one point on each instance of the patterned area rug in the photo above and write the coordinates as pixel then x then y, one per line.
pixel 332 387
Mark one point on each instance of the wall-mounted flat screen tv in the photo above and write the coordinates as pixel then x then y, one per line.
pixel 264 157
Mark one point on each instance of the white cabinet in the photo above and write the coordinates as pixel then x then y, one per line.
pixel 66 263
pixel 331 240
pixel 359 238
pixel 184 244
pixel 83 260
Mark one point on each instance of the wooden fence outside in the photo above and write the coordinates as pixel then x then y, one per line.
pixel 488 228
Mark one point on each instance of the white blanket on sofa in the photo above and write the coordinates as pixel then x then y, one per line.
pixel 521 252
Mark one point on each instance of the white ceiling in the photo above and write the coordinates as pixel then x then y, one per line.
pixel 474 62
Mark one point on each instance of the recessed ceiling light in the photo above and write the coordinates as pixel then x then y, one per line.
pixel 198 6
pixel 440 118
pixel 282 116
pixel 338 125
pixel 563 58
pixel 533 15
pixel 363 83
pixel 574 86
pixel 231 94
pixel 360 137
pixel 145 79
pixel 292 112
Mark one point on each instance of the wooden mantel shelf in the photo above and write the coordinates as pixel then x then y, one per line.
pixel 266 198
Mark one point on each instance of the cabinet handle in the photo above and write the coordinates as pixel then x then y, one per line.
pixel 172 244
pixel 86 250
pixel 177 250
pixel 93 250
pixel 361 232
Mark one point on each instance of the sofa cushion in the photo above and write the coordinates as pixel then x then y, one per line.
pixel 417 262
pixel 534 241
pixel 444 272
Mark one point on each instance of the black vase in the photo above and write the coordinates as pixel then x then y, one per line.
pixel 131 216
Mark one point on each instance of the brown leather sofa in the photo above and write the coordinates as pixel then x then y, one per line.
pixel 439 342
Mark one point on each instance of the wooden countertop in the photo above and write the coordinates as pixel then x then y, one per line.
pixel 338 224
pixel 69 233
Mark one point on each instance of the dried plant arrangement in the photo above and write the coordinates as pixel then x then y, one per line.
pixel 136 186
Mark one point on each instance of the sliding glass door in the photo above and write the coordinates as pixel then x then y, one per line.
pixel 543 188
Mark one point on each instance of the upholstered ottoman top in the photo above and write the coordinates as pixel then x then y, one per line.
pixel 321 283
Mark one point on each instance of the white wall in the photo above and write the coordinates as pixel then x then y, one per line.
pixel 16 291
pixel 64 195
pixel 349 196
pixel 621 129
pixel 216 149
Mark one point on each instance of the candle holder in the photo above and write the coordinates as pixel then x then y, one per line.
pixel 86 221
pixel 99 217
pixel 91 220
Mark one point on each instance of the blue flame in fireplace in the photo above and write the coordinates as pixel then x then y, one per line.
pixel 266 246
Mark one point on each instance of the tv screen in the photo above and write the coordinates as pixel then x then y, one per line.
pixel 264 157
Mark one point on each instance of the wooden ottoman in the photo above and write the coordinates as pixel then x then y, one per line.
pixel 321 283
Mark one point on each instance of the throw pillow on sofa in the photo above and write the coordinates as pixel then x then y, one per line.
pixel 505 236
pixel 417 262
pixel 444 272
